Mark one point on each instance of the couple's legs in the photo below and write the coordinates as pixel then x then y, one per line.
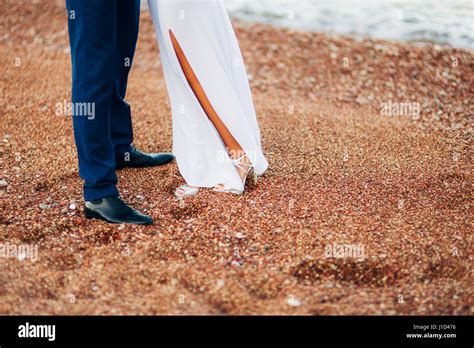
pixel 103 36
pixel 234 149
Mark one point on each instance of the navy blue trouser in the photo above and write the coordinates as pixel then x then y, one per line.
pixel 103 36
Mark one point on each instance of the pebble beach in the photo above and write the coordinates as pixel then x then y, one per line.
pixel 369 144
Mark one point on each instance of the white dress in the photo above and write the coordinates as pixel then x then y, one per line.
pixel 204 32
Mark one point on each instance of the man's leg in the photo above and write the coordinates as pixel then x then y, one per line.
pixel 92 32
pixel 128 16
pixel 127 24
pixel 92 38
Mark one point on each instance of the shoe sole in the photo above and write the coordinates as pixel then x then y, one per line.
pixel 93 215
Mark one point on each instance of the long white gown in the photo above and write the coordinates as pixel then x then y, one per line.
pixel 204 32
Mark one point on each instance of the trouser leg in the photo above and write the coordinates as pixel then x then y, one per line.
pixel 92 33
pixel 127 24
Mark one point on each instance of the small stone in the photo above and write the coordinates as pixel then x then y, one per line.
pixel 273 47
pixel 240 235
pixel 72 206
pixel 236 263
pixel 44 206
pixel 293 302
pixel 361 100
pixel 3 183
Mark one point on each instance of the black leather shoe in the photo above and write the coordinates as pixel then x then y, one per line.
pixel 114 210
pixel 137 159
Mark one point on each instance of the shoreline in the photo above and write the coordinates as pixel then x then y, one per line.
pixel 342 172
pixel 290 17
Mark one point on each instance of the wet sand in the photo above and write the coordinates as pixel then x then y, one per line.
pixel 342 172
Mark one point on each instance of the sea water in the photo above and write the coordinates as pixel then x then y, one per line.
pixel 446 22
